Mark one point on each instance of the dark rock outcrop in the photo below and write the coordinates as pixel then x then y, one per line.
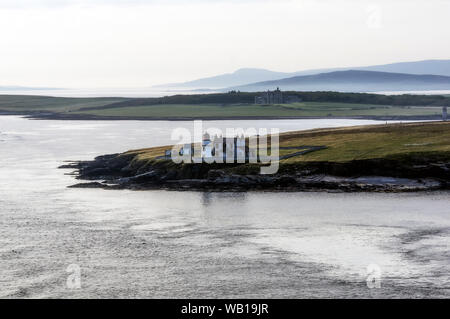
pixel 121 171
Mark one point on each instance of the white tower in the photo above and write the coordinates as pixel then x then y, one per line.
pixel 240 149
pixel 206 146
pixel 218 149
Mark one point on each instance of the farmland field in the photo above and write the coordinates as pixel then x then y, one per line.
pixel 306 109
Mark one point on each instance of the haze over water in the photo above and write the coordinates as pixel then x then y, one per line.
pixel 202 244
pixel 146 92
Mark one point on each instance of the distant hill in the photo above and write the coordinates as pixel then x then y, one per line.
pixel 252 75
pixel 435 67
pixel 353 81
pixel 239 77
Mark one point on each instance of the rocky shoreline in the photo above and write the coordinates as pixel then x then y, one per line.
pixel 122 171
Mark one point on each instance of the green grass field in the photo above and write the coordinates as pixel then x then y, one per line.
pixel 370 142
pixel 311 109
pixel 356 143
pixel 23 103
pixel 104 107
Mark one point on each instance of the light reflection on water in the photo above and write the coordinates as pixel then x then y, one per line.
pixel 201 244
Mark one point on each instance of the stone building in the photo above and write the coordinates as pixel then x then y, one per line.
pixel 270 97
pixel 276 97
pixel 229 149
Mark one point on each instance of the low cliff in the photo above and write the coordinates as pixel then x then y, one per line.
pixel 398 157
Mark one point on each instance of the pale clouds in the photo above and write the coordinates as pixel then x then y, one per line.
pixel 102 43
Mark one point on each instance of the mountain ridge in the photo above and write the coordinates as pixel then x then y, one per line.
pixel 353 81
pixel 244 76
pixel 241 76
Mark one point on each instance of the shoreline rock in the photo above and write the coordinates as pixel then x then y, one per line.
pixel 120 171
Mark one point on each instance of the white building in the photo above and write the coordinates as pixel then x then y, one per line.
pixel 186 150
pixel 207 146
pixel 220 149
pixel 240 149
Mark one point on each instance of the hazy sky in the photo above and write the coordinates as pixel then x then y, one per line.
pixel 100 43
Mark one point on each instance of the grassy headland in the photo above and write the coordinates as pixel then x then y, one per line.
pixel 416 155
pixel 356 143
pixel 296 110
pixel 233 105
pixel 33 103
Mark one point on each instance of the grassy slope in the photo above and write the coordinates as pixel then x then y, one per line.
pixel 374 141
pixel 100 107
pixel 23 103
pixel 312 109
pixel 356 143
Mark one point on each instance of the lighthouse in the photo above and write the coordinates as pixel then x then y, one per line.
pixel 206 146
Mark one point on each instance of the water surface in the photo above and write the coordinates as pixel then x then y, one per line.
pixel 201 244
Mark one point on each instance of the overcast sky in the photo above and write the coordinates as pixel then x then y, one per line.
pixel 117 43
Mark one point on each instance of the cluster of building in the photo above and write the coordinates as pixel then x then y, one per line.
pixel 220 148
pixel 276 97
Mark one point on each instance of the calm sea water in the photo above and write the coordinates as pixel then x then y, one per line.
pixel 202 244
pixel 153 92
pixel 105 92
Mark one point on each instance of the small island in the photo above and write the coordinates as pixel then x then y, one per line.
pixel 381 158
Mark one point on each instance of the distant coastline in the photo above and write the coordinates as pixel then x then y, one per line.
pixel 152 93
pixel 86 117
pixel 233 105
